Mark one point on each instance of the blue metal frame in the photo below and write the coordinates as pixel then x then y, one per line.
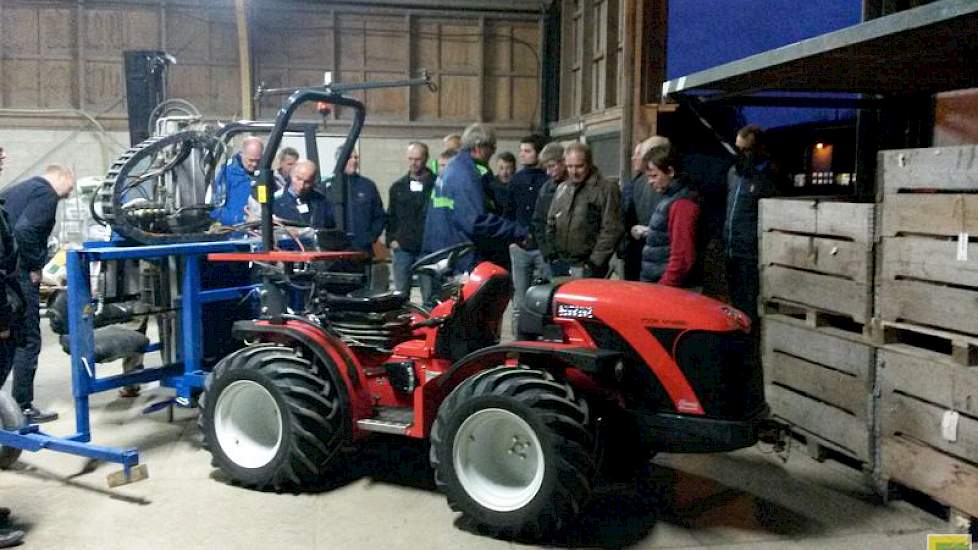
pixel 186 375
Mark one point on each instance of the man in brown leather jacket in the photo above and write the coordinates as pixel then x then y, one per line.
pixel 584 223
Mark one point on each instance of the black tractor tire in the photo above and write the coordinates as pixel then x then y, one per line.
pixel 253 389
pixel 11 418
pixel 469 440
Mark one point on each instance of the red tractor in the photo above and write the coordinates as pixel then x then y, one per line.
pixel 604 370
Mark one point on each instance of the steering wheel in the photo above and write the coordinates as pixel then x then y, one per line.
pixel 442 261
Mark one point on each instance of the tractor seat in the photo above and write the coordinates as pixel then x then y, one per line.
pixel 372 301
pixel 113 342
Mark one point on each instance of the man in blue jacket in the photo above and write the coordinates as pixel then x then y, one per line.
pixel 32 205
pixel 458 211
pixel 233 185
pixel 301 201
pixel 367 216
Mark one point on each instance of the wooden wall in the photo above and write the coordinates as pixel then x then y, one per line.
pixel 68 55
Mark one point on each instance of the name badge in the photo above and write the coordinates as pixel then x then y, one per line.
pixel 303 208
pixel 416 186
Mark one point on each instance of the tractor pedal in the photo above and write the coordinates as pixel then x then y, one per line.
pixel 389 420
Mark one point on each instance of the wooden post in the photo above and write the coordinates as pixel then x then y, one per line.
pixel 627 89
pixel 244 59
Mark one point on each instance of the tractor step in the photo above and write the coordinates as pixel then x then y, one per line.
pixel 389 420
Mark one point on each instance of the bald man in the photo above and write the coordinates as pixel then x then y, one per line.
pixel 233 185
pixel 302 202
pixel 32 205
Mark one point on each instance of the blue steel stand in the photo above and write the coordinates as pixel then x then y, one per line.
pixel 186 375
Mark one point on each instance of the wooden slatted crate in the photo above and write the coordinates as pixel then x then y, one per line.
pixel 929 426
pixel 821 381
pixel 927 293
pixel 817 256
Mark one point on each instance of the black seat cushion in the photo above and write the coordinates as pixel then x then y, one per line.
pixel 113 342
pixel 367 300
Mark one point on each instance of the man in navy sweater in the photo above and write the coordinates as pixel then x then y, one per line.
pixel 32 205
pixel 301 201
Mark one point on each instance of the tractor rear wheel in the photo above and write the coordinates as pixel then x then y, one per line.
pixel 271 418
pixel 511 450
pixel 11 418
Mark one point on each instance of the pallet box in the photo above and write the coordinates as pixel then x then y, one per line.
pixel 818 255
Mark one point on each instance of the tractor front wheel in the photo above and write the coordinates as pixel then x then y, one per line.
pixel 271 418
pixel 511 450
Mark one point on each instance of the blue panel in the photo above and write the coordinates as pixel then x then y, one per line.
pixel 702 35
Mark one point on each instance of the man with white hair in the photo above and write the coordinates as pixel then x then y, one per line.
pixel 32 205
pixel 638 202
pixel 458 211
pixel 233 185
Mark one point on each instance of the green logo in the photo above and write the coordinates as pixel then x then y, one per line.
pixel 948 542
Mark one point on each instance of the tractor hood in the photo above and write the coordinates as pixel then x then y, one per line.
pixel 627 303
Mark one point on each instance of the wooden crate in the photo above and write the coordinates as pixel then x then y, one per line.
pixel 928 265
pixel 942 168
pixel 818 254
pixel 918 389
pixel 821 380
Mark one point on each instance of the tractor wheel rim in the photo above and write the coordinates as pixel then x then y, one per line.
pixel 248 424
pixel 498 459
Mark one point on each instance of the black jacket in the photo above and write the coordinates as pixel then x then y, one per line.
pixel 523 191
pixel 32 205
pixel 748 182
pixel 538 225
pixel 406 209
pixel 11 299
pixel 314 209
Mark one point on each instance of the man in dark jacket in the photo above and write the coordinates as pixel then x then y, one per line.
pixel 748 181
pixel 530 204
pixel 287 157
pixel 406 209
pixel 32 205
pixel 367 216
pixel 302 202
pixel 458 211
pixel 11 314
pixel 638 202
pixel 233 185
pixel 584 223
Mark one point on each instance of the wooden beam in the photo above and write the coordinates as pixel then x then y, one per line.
pixel 244 58
pixel 630 43
pixel 480 63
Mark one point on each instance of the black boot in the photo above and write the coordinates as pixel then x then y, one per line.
pixel 11 537
pixel 37 416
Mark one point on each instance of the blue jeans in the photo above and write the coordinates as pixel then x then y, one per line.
pixel 401 265
pixel 527 266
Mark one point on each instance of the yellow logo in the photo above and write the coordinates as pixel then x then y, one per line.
pixel 948 542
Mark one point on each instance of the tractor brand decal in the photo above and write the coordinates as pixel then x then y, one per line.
pixel 574 311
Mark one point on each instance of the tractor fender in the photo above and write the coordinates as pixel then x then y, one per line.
pixel 332 352
pixel 555 357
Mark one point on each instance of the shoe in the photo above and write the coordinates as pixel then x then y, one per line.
pixel 4 516
pixel 11 537
pixel 37 416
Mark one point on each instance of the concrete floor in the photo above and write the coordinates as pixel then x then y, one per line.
pixel 748 499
